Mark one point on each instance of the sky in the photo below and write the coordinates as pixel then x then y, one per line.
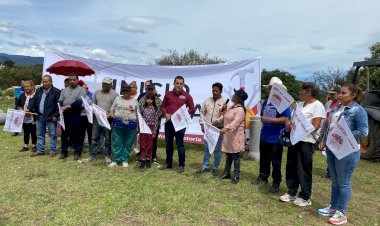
pixel 296 35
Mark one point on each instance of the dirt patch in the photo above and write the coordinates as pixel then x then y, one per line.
pixel 126 219
pixel 5 209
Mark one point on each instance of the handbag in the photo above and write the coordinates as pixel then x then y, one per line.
pixel 119 123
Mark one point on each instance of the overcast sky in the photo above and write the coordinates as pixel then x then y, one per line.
pixel 300 36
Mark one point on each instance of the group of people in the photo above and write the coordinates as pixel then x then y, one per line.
pixel 42 112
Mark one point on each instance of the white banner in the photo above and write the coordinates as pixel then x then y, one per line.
pixel 14 121
pixel 279 98
pixel 301 126
pixel 211 135
pixel 340 140
pixel 61 118
pixel 181 118
pixel 101 116
pixel 198 81
pixel 144 128
pixel 88 109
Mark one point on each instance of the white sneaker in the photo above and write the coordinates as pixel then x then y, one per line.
pixel 112 164
pixel 287 198
pixel 137 150
pixel 302 202
pixel 125 164
pixel 89 159
pixel 328 212
pixel 108 159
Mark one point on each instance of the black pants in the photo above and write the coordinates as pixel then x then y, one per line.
pixel 72 132
pixel 85 126
pixel 270 153
pixel 30 131
pixel 299 167
pixel 170 133
pixel 154 148
pixel 232 157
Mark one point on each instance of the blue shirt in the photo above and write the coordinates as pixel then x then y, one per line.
pixel 270 132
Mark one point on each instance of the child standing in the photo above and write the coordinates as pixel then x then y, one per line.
pixel 149 113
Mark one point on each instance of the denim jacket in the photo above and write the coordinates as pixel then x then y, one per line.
pixel 356 119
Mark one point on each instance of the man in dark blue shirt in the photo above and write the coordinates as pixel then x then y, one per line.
pixel 270 147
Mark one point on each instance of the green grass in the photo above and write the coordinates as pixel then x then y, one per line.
pixel 49 191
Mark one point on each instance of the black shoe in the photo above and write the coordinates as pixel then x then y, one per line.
pixel 15 134
pixel 164 167
pixel 202 170
pixel 24 149
pixel 274 189
pixel 34 154
pixel 76 157
pixel 225 176
pixel 235 180
pixel 181 169
pixel 215 172
pixel 147 164
pixel 142 164
pixel 62 156
pixel 259 181
pixel 34 149
pixel 154 160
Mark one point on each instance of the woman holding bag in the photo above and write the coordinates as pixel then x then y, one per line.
pixel 341 170
pixel 124 126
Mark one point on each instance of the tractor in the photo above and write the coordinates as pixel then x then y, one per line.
pixel 370 145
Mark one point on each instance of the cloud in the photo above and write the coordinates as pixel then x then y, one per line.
pixel 5 30
pixel 140 24
pixel 152 45
pixel 132 29
pixel 27 36
pixel 317 47
pixel 14 2
pixel 247 49
pixel 57 42
pixel 98 53
pixel 132 50
pixel 31 51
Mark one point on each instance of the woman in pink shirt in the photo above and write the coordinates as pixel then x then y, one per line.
pixel 234 137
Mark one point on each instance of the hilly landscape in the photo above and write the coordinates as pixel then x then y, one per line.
pixel 20 60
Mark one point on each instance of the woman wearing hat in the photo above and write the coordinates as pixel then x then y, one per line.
pixel 124 126
pixel 234 137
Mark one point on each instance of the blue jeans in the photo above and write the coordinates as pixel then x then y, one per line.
pixel 341 173
pixel 97 132
pixel 41 131
pixel 217 154
pixel 170 133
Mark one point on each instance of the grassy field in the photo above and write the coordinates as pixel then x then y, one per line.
pixel 49 191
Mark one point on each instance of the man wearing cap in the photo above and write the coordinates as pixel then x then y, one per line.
pixel 331 104
pixel 270 147
pixel 146 84
pixel 70 101
pixel 104 99
pixel 152 89
pixel 174 100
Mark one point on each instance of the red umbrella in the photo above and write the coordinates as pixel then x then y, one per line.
pixel 66 67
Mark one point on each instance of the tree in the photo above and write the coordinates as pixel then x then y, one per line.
pixel 8 63
pixel 191 57
pixel 330 78
pixel 288 80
